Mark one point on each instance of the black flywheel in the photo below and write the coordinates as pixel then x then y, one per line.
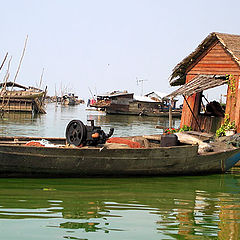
pixel 76 132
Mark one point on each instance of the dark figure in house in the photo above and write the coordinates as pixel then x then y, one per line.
pixel 214 109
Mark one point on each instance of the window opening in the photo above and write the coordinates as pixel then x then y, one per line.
pixel 213 101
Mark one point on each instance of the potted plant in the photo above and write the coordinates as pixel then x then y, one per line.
pixel 170 130
pixel 174 130
pixel 227 129
pixel 230 129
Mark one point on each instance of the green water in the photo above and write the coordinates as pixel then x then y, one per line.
pixel 197 207
pixel 126 208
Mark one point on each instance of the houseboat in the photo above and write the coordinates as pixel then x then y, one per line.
pixel 129 104
pixel 71 99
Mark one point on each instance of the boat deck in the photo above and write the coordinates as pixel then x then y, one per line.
pixel 58 159
pixel 146 142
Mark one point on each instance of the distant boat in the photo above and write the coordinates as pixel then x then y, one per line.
pixel 122 102
pixel 71 99
pixel 27 99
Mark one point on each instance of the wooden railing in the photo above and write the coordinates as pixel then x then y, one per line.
pixel 207 123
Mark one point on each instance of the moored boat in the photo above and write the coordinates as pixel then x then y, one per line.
pixel 18 98
pixel 125 103
pixel 28 94
pixel 58 159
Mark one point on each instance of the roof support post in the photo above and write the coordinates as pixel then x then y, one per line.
pixel 170 113
pixel 192 113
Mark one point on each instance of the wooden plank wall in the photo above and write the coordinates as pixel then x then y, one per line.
pixel 215 60
pixel 207 123
pixel 17 105
pixel 236 105
pixel 187 117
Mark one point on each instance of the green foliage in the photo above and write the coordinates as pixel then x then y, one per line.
pixel 221 132
pixel 226 126
pixel 231 83
pixel 185 128
pixel 170 130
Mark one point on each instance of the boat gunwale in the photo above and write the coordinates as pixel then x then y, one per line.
pixel 16 142
pixel 21 145
pixel 32 161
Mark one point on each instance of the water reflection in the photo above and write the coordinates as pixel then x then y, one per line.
pixel 154 208
pixel 143 208
pixel 53 124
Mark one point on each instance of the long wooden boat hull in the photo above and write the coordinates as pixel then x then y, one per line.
pixel 29 161
pixel 22 95
pixel 139 113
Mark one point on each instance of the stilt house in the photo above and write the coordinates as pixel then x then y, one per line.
pixel 216 61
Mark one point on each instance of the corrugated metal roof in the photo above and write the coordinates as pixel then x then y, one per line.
pixel 143 99
pixel 114 94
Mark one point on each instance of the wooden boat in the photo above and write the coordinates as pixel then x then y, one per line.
pixel 27 99
pixel 22 94
pixel 60 160
pixel 124 103
pixel 26 93
pixel 71 99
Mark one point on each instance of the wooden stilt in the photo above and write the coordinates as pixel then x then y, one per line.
pixel 192 114
pixel 170 113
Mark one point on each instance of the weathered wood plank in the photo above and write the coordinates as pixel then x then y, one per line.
pixel 217 62
pixel 153 137
pixel 215 71
pixel 215 65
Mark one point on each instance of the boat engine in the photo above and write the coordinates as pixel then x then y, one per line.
pixel 79 134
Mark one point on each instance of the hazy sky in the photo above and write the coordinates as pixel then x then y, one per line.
pixel 105 45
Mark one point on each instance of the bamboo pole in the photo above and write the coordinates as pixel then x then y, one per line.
pixel 19 65
pixel 5 58
pixel 21 59
pixel 15 77
pixel 40 83
pixel 170 113
pixel 6 77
